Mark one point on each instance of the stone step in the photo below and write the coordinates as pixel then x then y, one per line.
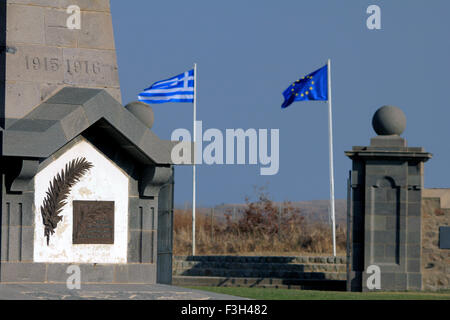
pixel 334 285
pixel 252 273
pixel 265 259
pixel 180 266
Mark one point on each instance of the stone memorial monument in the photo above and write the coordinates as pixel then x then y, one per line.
pixel 387 183
pixel 84 180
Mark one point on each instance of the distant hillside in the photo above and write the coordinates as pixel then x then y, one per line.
pixel 313 211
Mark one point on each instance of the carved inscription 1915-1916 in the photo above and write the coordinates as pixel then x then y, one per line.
pixel 50 64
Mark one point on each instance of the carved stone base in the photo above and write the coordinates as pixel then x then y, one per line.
pixel 20 272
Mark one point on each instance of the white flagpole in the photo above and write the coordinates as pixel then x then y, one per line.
pixel 193 167
pixel 330 129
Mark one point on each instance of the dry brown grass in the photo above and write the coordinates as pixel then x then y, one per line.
pixel 259 230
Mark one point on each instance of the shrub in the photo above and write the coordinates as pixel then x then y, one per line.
pixel 261 228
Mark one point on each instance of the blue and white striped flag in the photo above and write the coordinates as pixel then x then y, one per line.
pixel 177 89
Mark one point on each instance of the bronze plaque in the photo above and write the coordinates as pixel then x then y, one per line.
pixel 93 222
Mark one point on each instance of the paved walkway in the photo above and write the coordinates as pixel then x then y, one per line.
pixel 105 291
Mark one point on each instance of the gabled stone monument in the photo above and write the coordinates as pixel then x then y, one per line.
pixel 387 183
pixel 84 180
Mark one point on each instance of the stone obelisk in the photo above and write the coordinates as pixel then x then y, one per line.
pixel 63 127
pixel 49 44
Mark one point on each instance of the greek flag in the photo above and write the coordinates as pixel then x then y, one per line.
pixel 176 89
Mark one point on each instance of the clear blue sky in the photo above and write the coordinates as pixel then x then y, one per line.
pixel 248 52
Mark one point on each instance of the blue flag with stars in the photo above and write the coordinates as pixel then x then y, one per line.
pixel 314 86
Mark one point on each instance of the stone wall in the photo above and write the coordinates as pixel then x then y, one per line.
pixel 435 261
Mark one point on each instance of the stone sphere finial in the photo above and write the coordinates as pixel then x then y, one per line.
pixel 142 111
pixel 389 120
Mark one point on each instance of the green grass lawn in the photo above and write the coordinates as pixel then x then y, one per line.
pixel 291 294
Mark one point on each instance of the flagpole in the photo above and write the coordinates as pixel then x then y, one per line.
pixel 330 130
pixel 194 157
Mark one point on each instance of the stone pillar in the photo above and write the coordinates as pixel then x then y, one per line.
pixel 387 182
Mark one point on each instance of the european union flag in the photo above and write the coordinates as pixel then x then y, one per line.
pixel 314 86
